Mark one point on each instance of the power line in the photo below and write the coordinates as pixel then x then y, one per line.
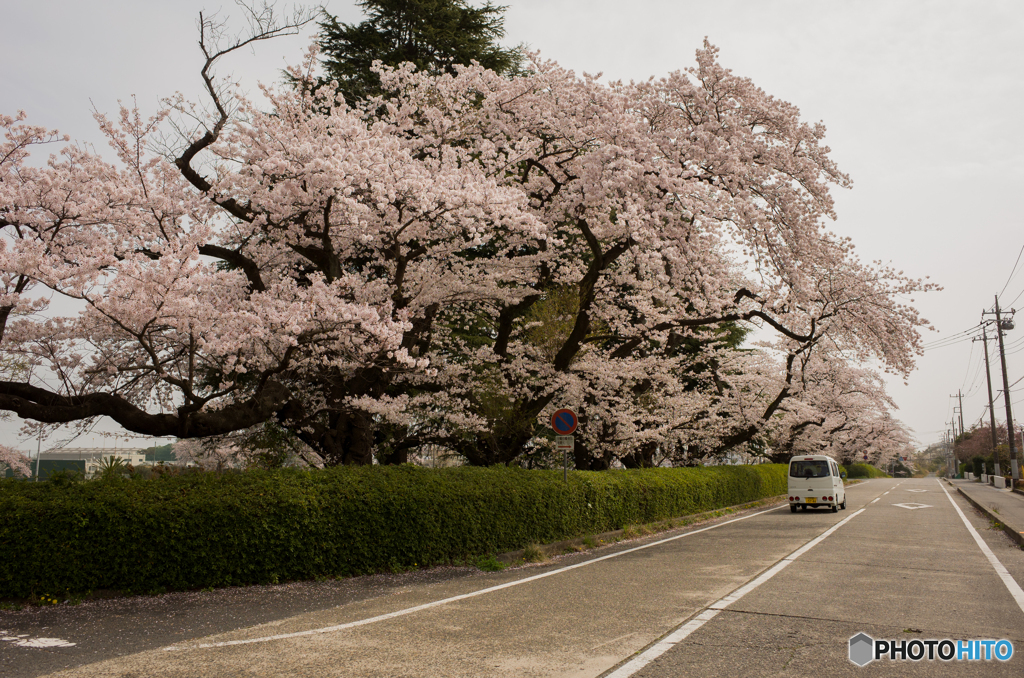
pixel 968 372
pixel 1016 298
pixel 952 343
pixel 976 382
pixel 957 335
pixel 1012 272
pixel 1016 344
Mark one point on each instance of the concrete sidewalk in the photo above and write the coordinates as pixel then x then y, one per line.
pixel 1005 507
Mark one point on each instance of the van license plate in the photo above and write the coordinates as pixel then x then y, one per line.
pixel 811 500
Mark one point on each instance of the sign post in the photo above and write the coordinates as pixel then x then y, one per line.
pixel 564 422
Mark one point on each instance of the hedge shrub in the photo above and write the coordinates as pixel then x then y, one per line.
pixel 206 529
pixel 865 471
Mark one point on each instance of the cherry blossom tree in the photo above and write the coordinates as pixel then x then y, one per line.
pixel 672 207
pixel 14 460
pixel 843 411
pixel 442 268
pixel 299 259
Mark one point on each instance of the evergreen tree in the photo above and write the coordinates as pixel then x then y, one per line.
pixel 433 34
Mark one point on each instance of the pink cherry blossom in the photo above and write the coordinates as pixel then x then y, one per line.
pixel 18 463
pixel 444 267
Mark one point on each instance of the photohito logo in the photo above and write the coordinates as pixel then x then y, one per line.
pixel 864 649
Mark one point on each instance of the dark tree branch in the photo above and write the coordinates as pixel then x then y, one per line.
pixel 39 404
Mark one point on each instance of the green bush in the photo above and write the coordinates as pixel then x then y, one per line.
pixel 978 464
pixel 865 471
pixel 198 530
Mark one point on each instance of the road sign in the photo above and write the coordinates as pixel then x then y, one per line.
pixel 564 444
pixel 564 422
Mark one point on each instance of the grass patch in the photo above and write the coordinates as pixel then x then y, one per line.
pixel 534 554
pixel 489 563
pixel 864 471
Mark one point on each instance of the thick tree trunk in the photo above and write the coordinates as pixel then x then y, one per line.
pixel 350 441
pixel 394 457
pixel 641 458
pixel 587 460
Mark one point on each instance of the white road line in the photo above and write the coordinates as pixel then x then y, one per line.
pixel 885 493
pixel 672 639
pixel 874 500
pixel 1013 586
pixel 24 640
pixel 491 589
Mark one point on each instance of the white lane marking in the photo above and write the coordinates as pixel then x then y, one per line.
pixel 917 490
pixel 913 507
pixel 1013 586
pixel 709 613
pixel 24 640
pixel 874 500
pixel 885 493
pixel 436 603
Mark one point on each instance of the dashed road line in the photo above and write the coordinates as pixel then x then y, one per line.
pixel 675 637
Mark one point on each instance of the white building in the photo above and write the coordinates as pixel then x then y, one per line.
pixel 92 457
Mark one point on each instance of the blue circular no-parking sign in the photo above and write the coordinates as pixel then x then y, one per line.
pixel 564 422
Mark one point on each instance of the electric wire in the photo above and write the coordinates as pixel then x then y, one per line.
pixel 963 333
pixel 1014 343
pixel 968 372
pixel 1012 272
pixel 976 383
pixel 952 343
pixel 1016 298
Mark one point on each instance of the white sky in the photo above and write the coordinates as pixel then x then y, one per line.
pixel 922 100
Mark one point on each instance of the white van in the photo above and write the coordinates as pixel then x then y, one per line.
pixel 815 480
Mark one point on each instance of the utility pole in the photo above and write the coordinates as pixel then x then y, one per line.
pixel 950 460
pixel 1014 468
pixel 991 410
pixel 952 453
pixel 960 397
pixel 958 413
pixel 39 447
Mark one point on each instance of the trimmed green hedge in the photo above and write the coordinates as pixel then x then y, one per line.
pixel 865 471
pixel 205 529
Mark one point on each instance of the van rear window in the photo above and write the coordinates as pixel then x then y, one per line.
pixel 809 469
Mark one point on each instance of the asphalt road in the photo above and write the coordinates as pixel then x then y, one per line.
pixel 762 593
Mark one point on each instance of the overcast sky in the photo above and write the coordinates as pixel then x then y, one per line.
pixel 922 100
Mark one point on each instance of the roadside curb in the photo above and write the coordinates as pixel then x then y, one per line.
pixel 1014 535
pixel 591 541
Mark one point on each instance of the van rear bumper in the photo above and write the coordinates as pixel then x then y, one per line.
pixel 802 501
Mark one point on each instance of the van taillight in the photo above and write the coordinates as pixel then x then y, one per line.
pixel 830 498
